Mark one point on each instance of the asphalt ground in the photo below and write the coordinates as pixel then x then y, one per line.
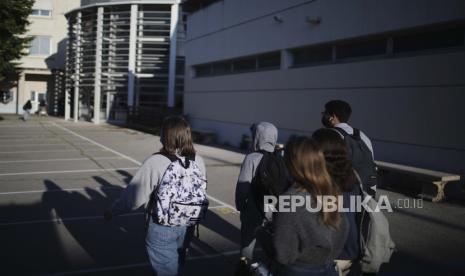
pixel 57 177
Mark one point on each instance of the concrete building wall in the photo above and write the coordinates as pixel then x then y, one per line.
pixel 233 28
pixel 409 105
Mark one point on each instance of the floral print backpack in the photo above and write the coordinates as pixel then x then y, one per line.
pixel 181 196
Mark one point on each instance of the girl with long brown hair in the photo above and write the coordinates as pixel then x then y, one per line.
pixel 307 242
pixel 340 168
pixel 158 176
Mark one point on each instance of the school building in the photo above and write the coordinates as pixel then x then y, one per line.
pixel 42 76
pixel 400 64
pixel 125 60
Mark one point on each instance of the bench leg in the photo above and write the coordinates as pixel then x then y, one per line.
pixel 440 194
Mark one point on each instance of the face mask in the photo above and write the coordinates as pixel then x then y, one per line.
pixel 325 119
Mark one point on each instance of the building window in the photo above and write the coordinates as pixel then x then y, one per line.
pixel 359 49
pixel 40 45
pixel 203 70
pixel 44 13
pixel 269 61
pixel 429 40
pixel 244 65
pixel 220 68
pixel 313 55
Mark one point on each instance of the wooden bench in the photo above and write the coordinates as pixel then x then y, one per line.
pixel 437 178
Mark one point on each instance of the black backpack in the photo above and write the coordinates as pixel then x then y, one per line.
pixel 271 177
pixel 362 160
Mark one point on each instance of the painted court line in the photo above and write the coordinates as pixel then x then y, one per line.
pixel 221 202
pixel 47 145
pixel 61 220
pixel 98 144
pixel 100 188
pixel 59 160
pixel 70 171
pixel 63 150
pixel 145 264
pixel 131 159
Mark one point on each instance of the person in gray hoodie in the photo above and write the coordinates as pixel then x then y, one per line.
pixel 163 243
pixel 264 139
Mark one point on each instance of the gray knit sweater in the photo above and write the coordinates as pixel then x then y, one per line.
pixel 301 237
pixel 144 182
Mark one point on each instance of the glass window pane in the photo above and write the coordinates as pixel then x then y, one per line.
pixel 244 65
pixel 45 12
pixel 221 67
pixel 35 12
pixel 44 45
pixel 374 47
pixel 34 46
pixel 272 60
pixel 202 70
pixel 429 40
pixel 33 95
pixel 313 55
pixel 41 97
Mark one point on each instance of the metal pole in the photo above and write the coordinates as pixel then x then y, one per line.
pixel 172 64
pixel 98 66
pixel 132 56
pixel 77 67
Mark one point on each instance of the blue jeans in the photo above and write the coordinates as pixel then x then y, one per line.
pixel 162 244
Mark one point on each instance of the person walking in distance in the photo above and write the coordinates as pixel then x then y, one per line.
pixel 27 110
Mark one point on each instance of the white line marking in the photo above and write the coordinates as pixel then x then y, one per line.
pixel 62 190
pixel 40 145
pixel 120 267
pixel 60 220
pixel 21 138
pixel 71 171
pixel 63 150
pixel 221 202
pixel 58 160
pixel 129 158
pixel 98 144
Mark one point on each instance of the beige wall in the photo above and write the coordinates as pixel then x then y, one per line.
pixel 55 27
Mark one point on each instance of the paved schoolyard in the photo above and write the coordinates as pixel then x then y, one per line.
pixel 57 177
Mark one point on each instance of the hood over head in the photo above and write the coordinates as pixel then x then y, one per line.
pixel 265 136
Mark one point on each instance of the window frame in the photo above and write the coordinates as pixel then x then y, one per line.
pixel 40 54
pixel 40 13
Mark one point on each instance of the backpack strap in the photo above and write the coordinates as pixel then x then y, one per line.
pixel 341 131
pixel 174 158
pixel 356 134
pixel 171 157
pixel 263 160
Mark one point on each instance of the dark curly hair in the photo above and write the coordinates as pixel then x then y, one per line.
pixel 337 163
